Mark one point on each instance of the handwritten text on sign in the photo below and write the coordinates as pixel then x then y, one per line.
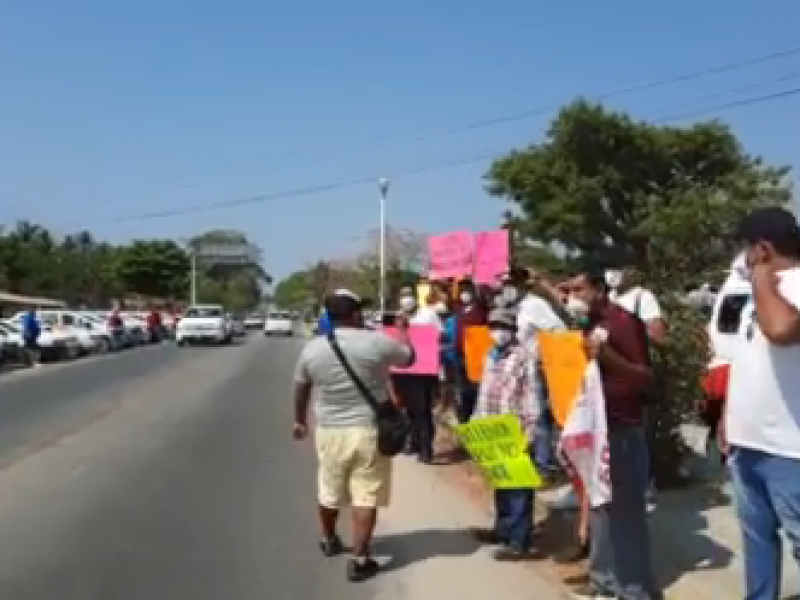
pixel 425 339
pixel 499 449
pixel 451 255
pixel 491 255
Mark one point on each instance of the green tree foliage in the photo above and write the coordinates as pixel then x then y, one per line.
pixel 82 270
pixel 612 190
pixel 295 291
pixel 158 268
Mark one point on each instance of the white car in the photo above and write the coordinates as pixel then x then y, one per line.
pixel 204 323
pixel 92 335
pixel 279 323
pixel 53 345
pixel 254 321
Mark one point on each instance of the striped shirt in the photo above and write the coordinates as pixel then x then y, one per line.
pixel 510 385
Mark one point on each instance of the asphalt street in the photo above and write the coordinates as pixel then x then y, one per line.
pixel 161 473
pixel 169 473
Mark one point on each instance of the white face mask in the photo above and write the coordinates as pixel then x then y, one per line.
pixel 440 308
pixel 407 303
pixel 466 297
pixel 510 293
pixel 614 278
pixel 577 308
pixel 502 337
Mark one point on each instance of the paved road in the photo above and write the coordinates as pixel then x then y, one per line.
pixel 168 474
pixel 178 486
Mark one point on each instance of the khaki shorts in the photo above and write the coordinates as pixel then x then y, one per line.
pixel 351 470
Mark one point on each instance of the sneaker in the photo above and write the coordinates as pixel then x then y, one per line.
pixel 361 569
pixel 590 592
pixel 331 546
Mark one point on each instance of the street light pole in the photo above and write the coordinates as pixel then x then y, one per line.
pixel 193 276
pixel 383 185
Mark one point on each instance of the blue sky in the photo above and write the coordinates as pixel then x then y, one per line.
pixel 110 111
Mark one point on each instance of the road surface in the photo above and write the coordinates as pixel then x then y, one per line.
pixel 169 474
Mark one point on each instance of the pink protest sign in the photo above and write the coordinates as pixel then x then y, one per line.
pixel 491 255
pixel 425 339
pixel 451 255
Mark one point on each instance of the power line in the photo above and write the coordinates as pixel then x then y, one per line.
pixel 480 157
pixel 730 105
pixel 600 95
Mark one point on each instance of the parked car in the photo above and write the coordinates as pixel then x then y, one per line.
pixel 53 345
pixel 91 337
pixel 279 323
pixel 730 314
pixel 204 323
pixel 237 326
pixel 254 321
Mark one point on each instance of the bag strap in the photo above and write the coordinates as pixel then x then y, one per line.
pixel 363 389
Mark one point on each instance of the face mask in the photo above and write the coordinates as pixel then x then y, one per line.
pixel 407 303
pixel 441 308
pixel 577 308
pixel 466 297
pixel 502 337
pixel 614 278
pixel 510 293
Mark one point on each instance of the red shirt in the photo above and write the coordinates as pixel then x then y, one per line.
pixel 468 316
pixel 628 338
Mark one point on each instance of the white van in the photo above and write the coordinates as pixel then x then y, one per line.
pixel 732 312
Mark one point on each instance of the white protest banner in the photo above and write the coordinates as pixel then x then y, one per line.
pixel 583 447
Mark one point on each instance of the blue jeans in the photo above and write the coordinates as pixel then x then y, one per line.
pixel 619 539
pixel 767 500
pixel 514 517
pixel 543 441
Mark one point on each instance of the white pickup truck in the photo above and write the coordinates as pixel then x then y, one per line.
pixel 204 323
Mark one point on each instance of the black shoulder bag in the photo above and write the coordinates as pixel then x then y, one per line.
pixel 393 425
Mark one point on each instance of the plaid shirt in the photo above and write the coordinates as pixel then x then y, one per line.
pixel 511 386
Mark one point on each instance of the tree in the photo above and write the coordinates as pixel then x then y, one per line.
pixel 615 191
pixel 157 268
pixel 294 292
pixel 406 260
pixel 81 270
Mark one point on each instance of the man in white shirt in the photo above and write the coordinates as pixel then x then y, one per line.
pixel 762 413
pixel 637 300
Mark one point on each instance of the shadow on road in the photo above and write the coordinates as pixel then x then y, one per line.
pixel 405 549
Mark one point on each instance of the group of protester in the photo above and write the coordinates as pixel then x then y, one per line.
pixel 621 322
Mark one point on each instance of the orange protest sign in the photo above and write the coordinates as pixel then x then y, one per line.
pixel 564 362
pixel 477 344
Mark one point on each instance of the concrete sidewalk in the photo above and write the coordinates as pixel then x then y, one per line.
pixel 694 531
pixel 424 541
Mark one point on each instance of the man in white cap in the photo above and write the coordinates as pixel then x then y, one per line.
pixel 352 471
